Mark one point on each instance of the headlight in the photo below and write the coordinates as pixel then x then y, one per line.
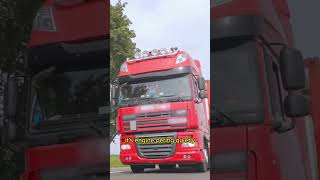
pixel 181 58
pixel 125 147
pixel 44 20
pixel 188 144
pixel 216 3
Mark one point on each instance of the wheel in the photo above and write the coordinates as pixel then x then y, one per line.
pixel 203 166
pixel 167 166
pixel 137 168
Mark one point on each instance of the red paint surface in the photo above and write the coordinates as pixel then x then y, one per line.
pixel 194 126
pixel 270 155
pixel 78 23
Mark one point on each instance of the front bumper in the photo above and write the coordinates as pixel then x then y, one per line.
pixel 178 154
pixel 180 157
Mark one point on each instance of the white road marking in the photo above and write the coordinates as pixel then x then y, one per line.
pixel 113 172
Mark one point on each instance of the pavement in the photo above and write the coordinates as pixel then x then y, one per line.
pixel 157 174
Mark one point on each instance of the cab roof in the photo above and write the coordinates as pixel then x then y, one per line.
pixel 159 62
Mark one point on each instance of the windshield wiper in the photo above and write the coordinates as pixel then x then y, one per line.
pixel 141 101
pixel 224 117
pixel 174 97
pixel 148 100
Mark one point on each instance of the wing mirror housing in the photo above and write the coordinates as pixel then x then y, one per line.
pixel 292 69
pixel 203 94
pixel 202 83
pixel 297 106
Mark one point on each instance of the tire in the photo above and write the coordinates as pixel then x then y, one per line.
pixel 137 168
pixel 167 166
pixel 203 166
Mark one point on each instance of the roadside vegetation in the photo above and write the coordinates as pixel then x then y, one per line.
pixel 115 162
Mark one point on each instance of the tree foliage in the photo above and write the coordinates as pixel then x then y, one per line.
pixel 16 19
pixel 122 47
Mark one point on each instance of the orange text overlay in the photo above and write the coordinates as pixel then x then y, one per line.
pixel 159 140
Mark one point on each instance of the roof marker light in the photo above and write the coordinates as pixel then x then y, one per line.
pixel 155 52
pixel 163 51
pixel 181 58
pixel 138 55
pixel 145 54
pixel 124 67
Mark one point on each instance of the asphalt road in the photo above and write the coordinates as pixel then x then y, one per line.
pixel 157 174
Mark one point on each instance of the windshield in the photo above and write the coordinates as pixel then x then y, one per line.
pixel 70 95
pixel 236 81
pixel 164 90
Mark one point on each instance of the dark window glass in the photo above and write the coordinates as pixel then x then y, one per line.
pixel 173 89
pixel 70 94
pixel 236 85
pixel 274 86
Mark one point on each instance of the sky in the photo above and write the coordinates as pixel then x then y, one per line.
pixel 306 26
pixel 165 23
pixel 171 23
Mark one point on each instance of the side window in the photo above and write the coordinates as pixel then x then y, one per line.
pixel 274 86
pixel 195 87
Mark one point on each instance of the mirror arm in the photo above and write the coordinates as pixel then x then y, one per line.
pixel 281 130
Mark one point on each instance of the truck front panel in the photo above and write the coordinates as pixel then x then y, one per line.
pixel 169 152
pixel 76 160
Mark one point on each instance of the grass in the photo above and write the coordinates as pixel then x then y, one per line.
pixel 115 162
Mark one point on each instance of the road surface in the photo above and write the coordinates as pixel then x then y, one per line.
pixel 157 174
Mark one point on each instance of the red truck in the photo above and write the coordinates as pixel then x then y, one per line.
pixel 259 124
pixel 163 114
pixel 59 101
pixel 312 90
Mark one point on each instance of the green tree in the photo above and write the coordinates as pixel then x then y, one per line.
pixel 122 47
pixel 16 19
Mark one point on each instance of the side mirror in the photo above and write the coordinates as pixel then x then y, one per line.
pixel 292 69
pixel 296 106
pixel 114 92
pixel 203 94
pixel 202 84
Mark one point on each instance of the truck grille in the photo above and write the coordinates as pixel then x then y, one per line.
pixel 152 121
pixel 154 115
pixel 156 150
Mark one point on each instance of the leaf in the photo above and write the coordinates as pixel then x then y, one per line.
pixel 122 47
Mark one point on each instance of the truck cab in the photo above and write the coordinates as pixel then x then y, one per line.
pixel 59 102
pixel 162 101
pixel 258 126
